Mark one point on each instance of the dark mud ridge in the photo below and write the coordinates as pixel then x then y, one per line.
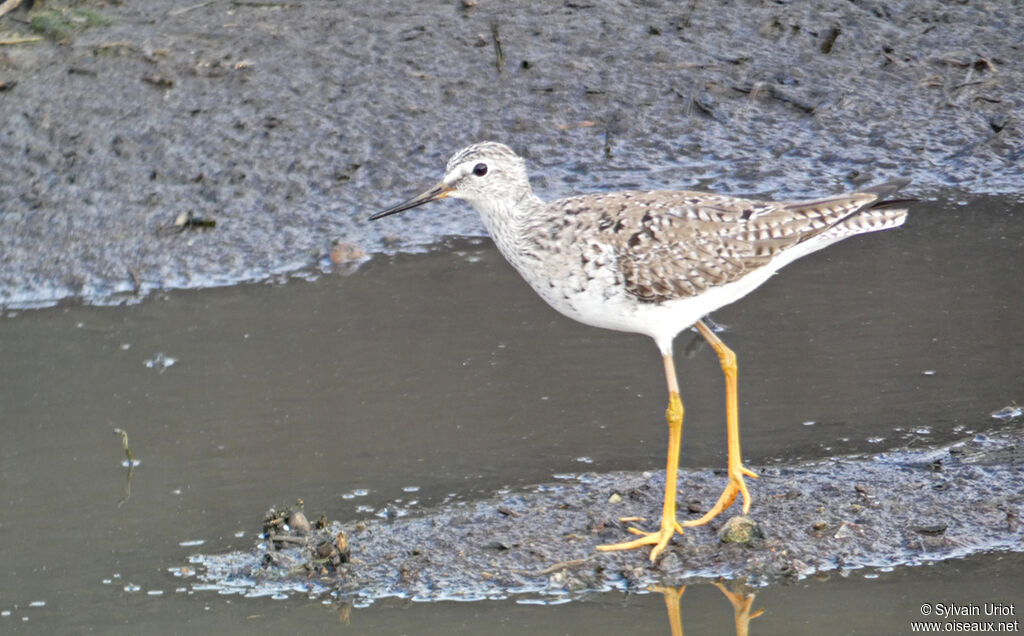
pixel 898 508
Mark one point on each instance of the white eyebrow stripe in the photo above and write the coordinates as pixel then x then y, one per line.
pixel 457 174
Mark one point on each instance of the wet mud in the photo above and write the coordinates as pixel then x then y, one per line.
pixel 897 508
pixel 159 145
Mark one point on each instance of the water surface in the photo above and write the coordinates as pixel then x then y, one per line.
pixel 442 372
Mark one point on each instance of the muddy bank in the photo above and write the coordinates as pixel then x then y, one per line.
pixel 897 508
pixel 288 124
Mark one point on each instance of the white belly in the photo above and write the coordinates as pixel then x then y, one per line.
pixel 597 297
pixel 661 321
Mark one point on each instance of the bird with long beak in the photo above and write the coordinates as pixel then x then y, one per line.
pixel 654 263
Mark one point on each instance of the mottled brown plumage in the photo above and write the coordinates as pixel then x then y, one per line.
pixel 676 244
pixel 654 263
pixel 651 262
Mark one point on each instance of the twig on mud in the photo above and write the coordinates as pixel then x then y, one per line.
pixel 263 5
pixel 684 22
pixel 977 63
pixel 20 40
pixel 128 46
pixel 8 6
pixel 284 538
pixel 176 12
pixel 136 281
pixel 965 84
pixel 776 92
pixel 557 566
pixel 499 54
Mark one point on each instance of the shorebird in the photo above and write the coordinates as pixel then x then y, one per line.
pixel 654 263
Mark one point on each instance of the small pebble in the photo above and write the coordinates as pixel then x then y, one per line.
pixel 299 523
pixel 933 530
pixel 342 252
pixel 741 529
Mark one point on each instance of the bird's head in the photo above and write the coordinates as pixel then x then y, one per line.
pixel 488 175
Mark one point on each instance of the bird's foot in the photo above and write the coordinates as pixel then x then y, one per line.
pixel 659 538
pixel 741 603
pixel 736 486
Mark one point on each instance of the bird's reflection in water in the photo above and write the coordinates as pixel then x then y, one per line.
pixel 740 601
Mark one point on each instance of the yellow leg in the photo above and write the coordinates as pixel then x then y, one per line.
pixel 674 416
pixel 672 597
pixel 736 470
pixel 741 604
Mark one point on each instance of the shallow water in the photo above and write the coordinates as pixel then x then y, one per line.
pixel 442 372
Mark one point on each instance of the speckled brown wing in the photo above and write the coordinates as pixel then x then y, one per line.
pixel 679 244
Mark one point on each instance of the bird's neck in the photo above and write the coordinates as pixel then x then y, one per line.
pixel 506 217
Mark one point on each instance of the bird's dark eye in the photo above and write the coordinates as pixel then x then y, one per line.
pixel 480 169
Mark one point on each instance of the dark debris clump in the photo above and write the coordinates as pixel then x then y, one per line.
pixel 292 546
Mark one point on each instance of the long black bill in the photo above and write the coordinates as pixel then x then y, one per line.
pixel 439 191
